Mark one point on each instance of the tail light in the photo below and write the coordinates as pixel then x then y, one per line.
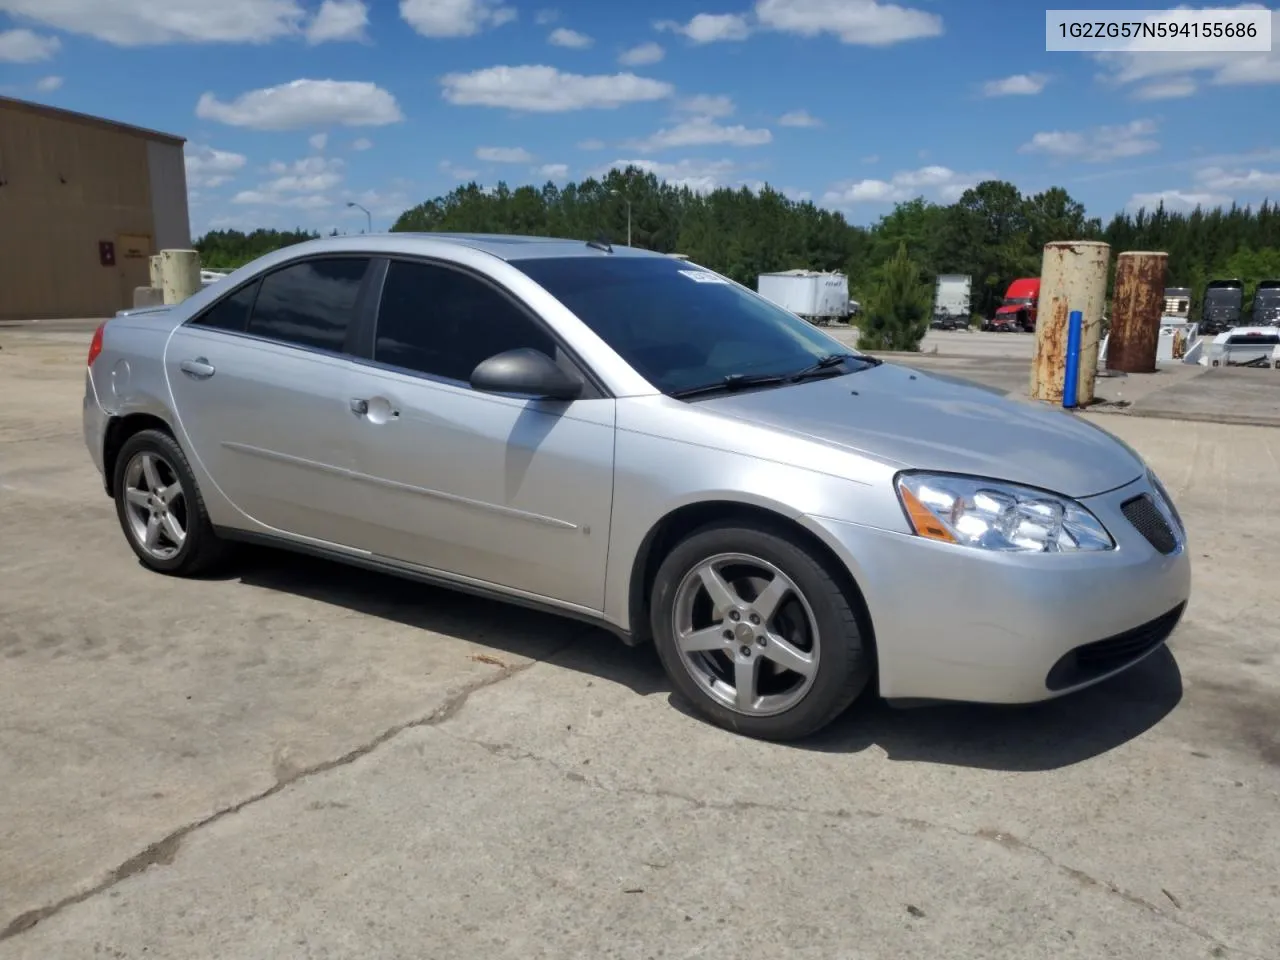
pixel 95 345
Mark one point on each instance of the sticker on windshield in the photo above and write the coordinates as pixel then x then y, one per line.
pixel 703 276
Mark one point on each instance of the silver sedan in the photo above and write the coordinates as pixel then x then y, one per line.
pixel 630 439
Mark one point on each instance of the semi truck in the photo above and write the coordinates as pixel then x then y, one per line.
pixel 951 302
pixel 1017 311
pixel 1266 304
pixel 812 294
pixel 1221 307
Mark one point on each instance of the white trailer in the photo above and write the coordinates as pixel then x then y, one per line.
pixel 951 301
pixel 818 297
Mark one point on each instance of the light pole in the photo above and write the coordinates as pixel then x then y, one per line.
pixel 367 215
pixel 627 201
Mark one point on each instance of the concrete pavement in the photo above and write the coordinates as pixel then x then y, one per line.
pixel 303 760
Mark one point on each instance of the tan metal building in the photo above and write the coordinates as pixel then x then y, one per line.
pixel 84 202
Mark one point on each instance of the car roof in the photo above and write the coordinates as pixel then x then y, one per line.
pixel 503 246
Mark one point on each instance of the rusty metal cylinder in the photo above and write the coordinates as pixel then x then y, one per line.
pixel 1136 308
pixel 1073 276
pixel 179 274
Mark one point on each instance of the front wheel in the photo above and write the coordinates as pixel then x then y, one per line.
pixel 755 632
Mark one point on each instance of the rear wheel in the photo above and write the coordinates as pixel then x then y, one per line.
pixel 160 508
pixel 756 633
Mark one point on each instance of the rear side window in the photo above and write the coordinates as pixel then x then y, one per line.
pixel 310 304
pixel 230 313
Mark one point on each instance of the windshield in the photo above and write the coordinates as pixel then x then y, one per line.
pixel 679 326
pixel 1016 301
pixel 1224 297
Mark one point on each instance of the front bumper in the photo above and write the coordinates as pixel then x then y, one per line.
pixel 956 623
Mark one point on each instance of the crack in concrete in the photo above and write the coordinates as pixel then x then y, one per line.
pixel 1007 840
pixel 165 851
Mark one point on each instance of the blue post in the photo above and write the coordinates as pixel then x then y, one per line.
pixel 1071 375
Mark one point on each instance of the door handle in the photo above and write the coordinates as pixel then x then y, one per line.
pixel 200 368
pixel 359 406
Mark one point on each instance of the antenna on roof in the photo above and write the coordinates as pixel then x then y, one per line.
pixel 602 243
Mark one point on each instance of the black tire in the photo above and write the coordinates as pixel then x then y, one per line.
pixel 202 550
pixel 845 661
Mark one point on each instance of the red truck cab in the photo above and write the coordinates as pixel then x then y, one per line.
pixel 1018 308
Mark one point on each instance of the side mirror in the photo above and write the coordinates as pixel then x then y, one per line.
pixel 525 371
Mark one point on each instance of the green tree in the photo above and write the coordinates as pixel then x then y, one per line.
pixel 897 312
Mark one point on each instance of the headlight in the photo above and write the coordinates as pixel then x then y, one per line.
pixel 993 515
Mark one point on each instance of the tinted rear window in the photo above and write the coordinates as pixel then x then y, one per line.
pixel 311 304
pixel 230 313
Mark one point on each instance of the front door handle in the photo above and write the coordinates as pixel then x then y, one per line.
pixel 200 368
pixel 359 406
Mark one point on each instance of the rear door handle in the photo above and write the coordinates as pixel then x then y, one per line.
pixel 200 368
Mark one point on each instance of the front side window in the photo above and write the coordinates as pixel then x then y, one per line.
pixel 678 326
pixel 442 322
pixel 310 304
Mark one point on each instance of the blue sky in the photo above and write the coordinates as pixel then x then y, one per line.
pixel 293 107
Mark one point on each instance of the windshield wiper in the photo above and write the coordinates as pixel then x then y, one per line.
pixel 734 381
pixel 826 366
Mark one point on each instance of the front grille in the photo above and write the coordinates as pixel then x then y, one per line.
pixel 1150 522
pixel 1101 657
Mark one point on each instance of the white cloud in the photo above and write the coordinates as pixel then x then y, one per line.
pixel 304 103
pixel 799 118
pixel 339 20
pixel 706 105
pixel 454 18
pixel 129 23
pixel 642 54
pixel 1020 84
pixel 1095 145
pixel 544 17
pixel 504 154
pixel 1170 89
pixel 591 144
pixel 871 158
pixel 943 182
pixel 362 143
pixel 703 131
pixel 543 89
pixel 862 22
pixel 309 175
pixel 700 176
pixel 1219 68
pixel 49 84
pixel 1252 181
pixel 1177 200
pixel 564 37
pixel 262 197
pixel 24 46
pixel 710 27
pixel 207 167
pixel 458 173
pixel 554 171
pixel 318 141
pixel 796 195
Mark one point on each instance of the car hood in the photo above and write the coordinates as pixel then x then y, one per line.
pixel 934 422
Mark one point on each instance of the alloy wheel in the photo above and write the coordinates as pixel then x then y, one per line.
pixel 746 634
pixel 155 505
